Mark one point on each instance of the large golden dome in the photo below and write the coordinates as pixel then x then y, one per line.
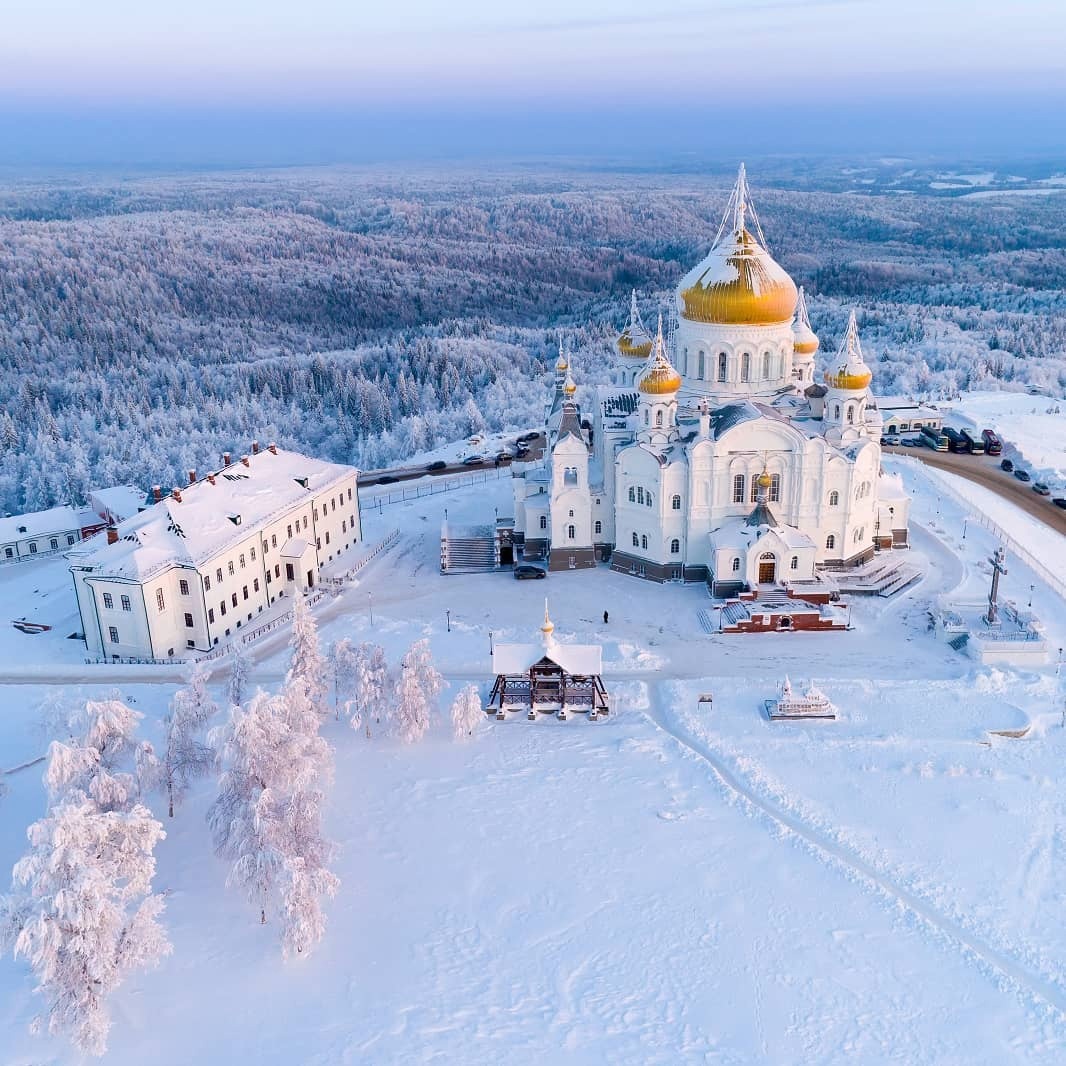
pixel 738 284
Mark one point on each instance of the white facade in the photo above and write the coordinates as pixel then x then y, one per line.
pixel 724 463
pixel 192 569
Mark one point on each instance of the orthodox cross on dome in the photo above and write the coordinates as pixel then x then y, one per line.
pixel 740 216
pixel 850 346
pixel 802 318
pixel 548 627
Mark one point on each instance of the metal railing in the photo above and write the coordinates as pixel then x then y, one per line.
pixel 382 546
pixel 371 496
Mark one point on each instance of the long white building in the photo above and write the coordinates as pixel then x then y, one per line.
pixel 718 458
pixel 205 560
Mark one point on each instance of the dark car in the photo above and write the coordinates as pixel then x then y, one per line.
pixel 529 436
pixel 1041 489
pixel 437 464
pixel 504 457
pixel 527 572
pixel 473 460
pixel 1007 465
pixel 388 479
pixel 911 442
pixel 1022 475
pixel 1060 501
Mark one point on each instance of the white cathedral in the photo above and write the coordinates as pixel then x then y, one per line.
pixel 717 457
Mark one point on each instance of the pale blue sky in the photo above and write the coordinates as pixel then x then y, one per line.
pixel 685 61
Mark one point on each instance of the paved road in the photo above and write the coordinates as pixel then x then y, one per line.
pixel 395 474
pixel 984 470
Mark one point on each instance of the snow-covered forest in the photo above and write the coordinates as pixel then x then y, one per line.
pixel 148 325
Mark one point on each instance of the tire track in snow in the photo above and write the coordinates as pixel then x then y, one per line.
pixel 1038 986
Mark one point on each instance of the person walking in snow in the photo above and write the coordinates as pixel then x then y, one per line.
pixel 605 618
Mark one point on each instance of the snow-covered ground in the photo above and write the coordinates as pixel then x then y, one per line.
pixel 669 885
pixel 1033 428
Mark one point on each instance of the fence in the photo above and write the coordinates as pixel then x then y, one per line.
pixel 373 496
pixel 382 546
pixel 30 556
pixel 985 522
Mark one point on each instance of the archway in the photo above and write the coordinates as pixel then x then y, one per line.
pixel 767 568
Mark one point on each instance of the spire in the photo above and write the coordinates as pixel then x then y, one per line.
pixel 850 347
pixel 849 367
pixel 563 364
pixel 740 216
pixel 740 201
pixel 802 318
pixel 548 628
pixel 659 378
pixel 634 311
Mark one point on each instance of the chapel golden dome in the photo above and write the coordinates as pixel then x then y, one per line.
pixel 764 481
pixel 659 378
pixel 569 386
pixel 850 370
pixel 634 342
pixel 805 340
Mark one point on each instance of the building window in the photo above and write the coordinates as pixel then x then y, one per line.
pixel 188 620
pixel 255 585
pixel 183 587
pixel 241 560
pixel 775 488
pixel 108 602
pixel 636 541
pixel 543 521
pixel 207 582
pixel 277 569
pixel 218 575
pixel 160 603
pixel 675 547
pixel 70 538
pixel 851 413
pixel 640 495
pixel 211 614
pixel 736 565
pixel 658 419
pixel 675 503
pixel 644 542
pixel 647 498
pixel 745 367
pixel 288 530
pixel 125 601
pixel 795 564
pixel 836 410
pixel 599 527
pixel 723 365
pixel 112 632
pixel 54 543
pixel 738 488
pixel 273 540
pixel 327 536
pixel 33 548
pixel 289 575
pixel 9 553
pixel 222 608
pixel 571 514
pixel 754 489
pixel 830 541
pixel 245 591
pixel 251 552
pixel 349 492
pixel 834 498
pixel 571 532
pixel 632 494
pixel 702 367
pixel 766 366
pixel 231 568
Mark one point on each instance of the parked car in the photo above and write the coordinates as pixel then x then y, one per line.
pixel 437 464
pixel 529 436
pixel 473 460
pixel 388 479
pixel 528 572
pixel 1022 475
pixel 504 457
pixel 911 442
pixel 892 439
pixel 1041 489
pixel 1007 465
pixel 1060 501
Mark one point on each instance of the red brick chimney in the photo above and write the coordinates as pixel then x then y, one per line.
pixel 245 460
pixel 226 458
pixel 157 493
pixel 255 447
pixel 192 477
pixel 211 479
pixel 112 535
pixel 272 448
pixel 176 494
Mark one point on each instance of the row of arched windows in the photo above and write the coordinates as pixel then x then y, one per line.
pixel 639 495
pixel 862 490
pixel 859 534
pixel 642 543
pixel 699 366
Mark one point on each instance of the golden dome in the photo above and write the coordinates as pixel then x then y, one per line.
pixel 805 340
pixel 569 387
pixel 738 284
pixel 851 371
pixel 841 379
pixel 562 366
pixel 634 348
pixel 805 344
pixel 764 481
pixel 659 378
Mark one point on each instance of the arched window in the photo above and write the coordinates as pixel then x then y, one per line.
pixel 834 498
pixel 659 419
pixel 599 527
pixel 675 503
pixel 723 364
pixel 646 416
pixel 766 366
pixel 836 410
pixel 632 494
pixel 830 541
pixel 702 366
pixel 687 364
pixel 644 542
pixel 543 521
pixel 795 564
pixel 775 488
pixel 640 495
pixel 636 541
pixel 675 546
pixel 647 498
pixel 754 494
pixel 571 532
pixel 851 413
pixel 738 488
pixel 736 565
pixel 745 367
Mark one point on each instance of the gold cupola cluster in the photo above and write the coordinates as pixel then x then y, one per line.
pixel 659 378
pixel 635 342
pixel 849 369
pixel 739 283
pixel 806 340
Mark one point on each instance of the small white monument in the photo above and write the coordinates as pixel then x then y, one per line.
pixel 812 704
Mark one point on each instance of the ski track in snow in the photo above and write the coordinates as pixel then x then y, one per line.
pixel 1012 972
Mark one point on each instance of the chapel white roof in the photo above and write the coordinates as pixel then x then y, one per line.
pixel 581 659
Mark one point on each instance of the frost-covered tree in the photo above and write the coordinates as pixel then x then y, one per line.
pixel 417 688
pixel 187 755
pixel 304 922
pixel 466 712
pixel 81 911
pixel 371 690
pixel 343 668
pixel 238 678
pixel 307 665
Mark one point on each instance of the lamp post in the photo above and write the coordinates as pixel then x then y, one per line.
pixel 1031 590
pixel 448 614
pixel 964 521
pixel 491 651
pixel 370 597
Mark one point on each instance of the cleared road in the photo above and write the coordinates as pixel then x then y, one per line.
pixel 984 470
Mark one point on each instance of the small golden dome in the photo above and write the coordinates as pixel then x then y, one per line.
pixel 842 379
pixel 634 348
pixel 738 284
pixel 569 386
pixel 562 366
pixel 851 371
pixel 659 381
pixel 806 342
pixel 764 481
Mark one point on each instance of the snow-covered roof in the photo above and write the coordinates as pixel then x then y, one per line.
pixel 580 659
pixel 120 501
pixel 219 510
pixel 38 523
pixel 294 548
pixel 740 532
